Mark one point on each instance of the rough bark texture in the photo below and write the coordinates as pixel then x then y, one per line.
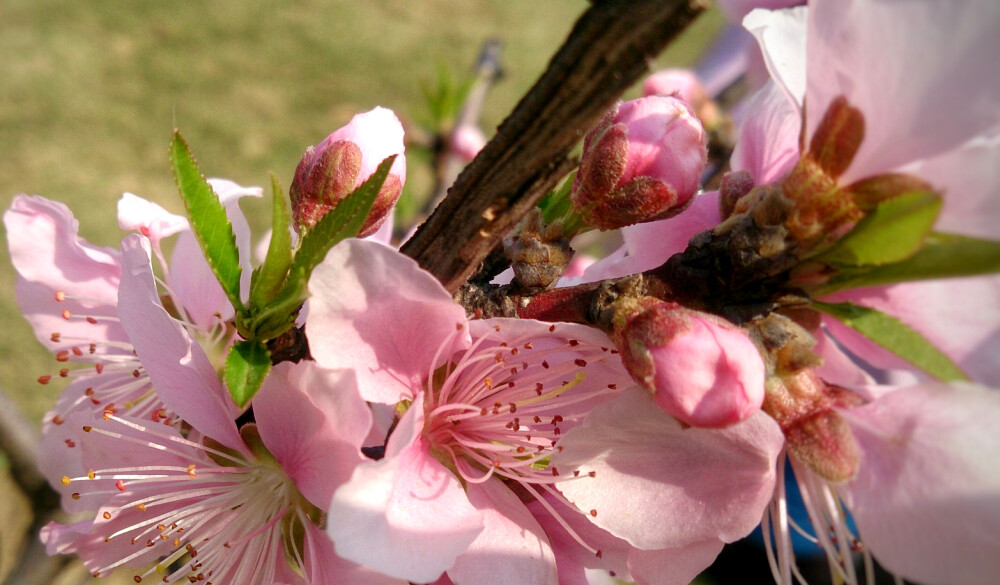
pixel 609 48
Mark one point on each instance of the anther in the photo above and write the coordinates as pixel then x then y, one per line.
pixel 60 296
pixel 44 379
pixel 120 485
pixel 107 515
pixel 593 513
pixel 66 480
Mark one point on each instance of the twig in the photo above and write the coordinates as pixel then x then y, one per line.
pixel 449 164
pixel 608 49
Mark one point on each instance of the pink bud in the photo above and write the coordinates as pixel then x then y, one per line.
pixel 701 369
pixel 682 83
pixel 332 169
pixel 642 163
pixel 466 141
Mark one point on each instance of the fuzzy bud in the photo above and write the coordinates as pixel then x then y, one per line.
pixel 335 167
pixel 642 163
pixel 700 368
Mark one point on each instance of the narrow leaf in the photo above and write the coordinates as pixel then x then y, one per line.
pixel 208 220
pixel 269 278
pixel 896 336
pixel 943 256
pixel 247 365
pixel 891 232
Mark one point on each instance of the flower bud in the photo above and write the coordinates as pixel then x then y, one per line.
pixel 642 163
pixel 682 83
pixel 335 167
pixel 700 368
pixel 466 141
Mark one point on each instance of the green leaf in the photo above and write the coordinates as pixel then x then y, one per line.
pixel 892 232
pixel 943 256
pixel 896 336
pixel 208 220
pixel 269 278
pixel 247 365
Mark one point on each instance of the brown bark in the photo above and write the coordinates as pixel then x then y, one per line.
pixel 609 48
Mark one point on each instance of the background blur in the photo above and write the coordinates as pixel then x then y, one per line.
pixel 91 90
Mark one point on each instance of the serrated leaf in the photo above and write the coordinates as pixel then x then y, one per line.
pixel 896 336
pixel 209 221
pixel 942 256
pixel 269 278
pixel 892 232
pixel 247 365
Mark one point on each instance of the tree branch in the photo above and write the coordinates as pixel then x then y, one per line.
pixel 608 49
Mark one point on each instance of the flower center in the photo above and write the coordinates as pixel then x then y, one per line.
pixel 200 511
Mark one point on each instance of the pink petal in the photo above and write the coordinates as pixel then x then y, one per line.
pixel 405 515
pixel 576 564
pixel 782 38
pixel 375 310
pixel 919 71
pixel 838 368
pixel 148 218
pixel 969 176
pixel 961 316
pixel 322 565
pixel 658 485
pixel 648 245
pixel 511 548
pixel 673 566
pixel 185 380
pixel 194 285
pixel 926 495
pixel 49 256
pixel 768 143
pixel 313 421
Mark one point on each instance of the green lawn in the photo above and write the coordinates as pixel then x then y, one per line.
pixel 91 90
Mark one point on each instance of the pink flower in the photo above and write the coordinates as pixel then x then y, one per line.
pixel 217 503
pixel 343 161
pixel 920 480
pixel 925 495
pixel 484 401
pixel 698 367
pixel 642 162
pixel 68 291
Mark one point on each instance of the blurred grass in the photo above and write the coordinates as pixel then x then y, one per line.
pixel 91 91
